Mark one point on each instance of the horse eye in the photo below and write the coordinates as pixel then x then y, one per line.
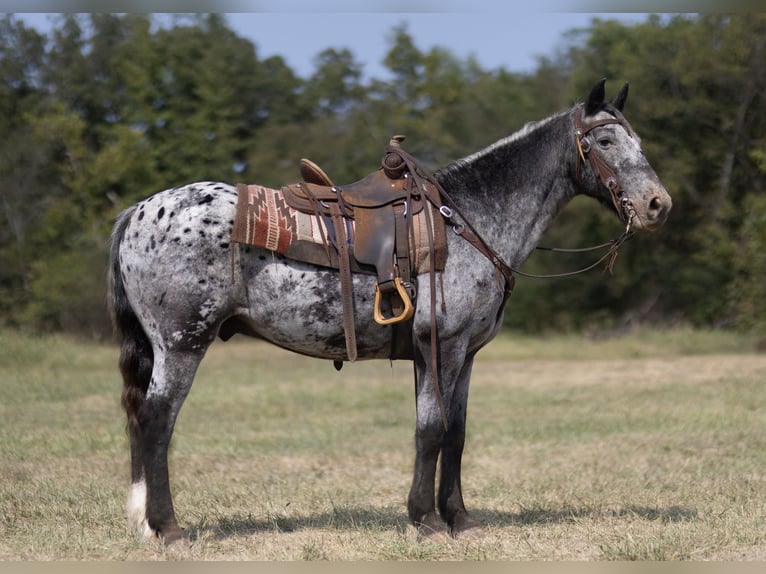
pixel 604 142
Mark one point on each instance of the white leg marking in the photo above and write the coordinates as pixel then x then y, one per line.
pixel 136 509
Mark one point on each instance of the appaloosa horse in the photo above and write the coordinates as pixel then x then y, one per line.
pixel 171 292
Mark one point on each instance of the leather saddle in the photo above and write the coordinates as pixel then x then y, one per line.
pixel 381 206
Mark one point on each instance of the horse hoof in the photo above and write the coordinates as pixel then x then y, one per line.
pixel 174 538
pixel 432 528
pixel 465 527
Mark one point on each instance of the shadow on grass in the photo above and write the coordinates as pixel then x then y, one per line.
pixel 567 514
pixel 354 518
pixel 395 519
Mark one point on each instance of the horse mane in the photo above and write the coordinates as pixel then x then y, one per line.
pixel 511 145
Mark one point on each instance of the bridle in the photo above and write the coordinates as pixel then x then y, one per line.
pixel 625 210
pixel 586 152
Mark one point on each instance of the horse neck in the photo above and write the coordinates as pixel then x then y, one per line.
pixel 511 191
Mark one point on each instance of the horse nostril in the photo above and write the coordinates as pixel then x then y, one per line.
pixel 657 209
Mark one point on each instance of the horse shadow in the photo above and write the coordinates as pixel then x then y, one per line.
pixel 393 519
pixel 353 518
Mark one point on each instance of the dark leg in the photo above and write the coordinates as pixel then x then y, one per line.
pixel 451 505
pixel 171 380
pixel 430 437
pixel 429 433
pixel 420 504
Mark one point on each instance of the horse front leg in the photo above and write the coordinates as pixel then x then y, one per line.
pixel 451 505
pixel 430 437
pixel 429 434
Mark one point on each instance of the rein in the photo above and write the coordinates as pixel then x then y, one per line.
pixel 614 247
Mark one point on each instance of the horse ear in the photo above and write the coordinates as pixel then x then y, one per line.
pixel 596 98
pixel 619 100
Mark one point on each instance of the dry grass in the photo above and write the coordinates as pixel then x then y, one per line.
pixel 649 447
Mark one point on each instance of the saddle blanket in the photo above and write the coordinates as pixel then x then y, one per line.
pixel 263 219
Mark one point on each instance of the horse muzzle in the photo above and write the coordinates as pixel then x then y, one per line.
pixel 651 212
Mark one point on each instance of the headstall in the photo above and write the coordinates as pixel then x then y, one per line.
pixel 586 152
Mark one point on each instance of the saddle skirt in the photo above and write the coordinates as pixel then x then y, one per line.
pixel 264 219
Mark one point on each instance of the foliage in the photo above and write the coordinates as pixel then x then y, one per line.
pixel 748 287
pixel 109 108
pixel 699 105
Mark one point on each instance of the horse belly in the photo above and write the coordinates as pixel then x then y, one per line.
pixel 298 307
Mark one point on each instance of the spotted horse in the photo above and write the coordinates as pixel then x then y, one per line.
pixel 171 293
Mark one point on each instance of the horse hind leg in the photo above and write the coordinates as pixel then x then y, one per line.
pixel 171 380
pixel 155 384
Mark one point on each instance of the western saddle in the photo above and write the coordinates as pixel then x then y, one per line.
pixel 382 206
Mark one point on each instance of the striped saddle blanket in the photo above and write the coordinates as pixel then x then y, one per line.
pixel 264 219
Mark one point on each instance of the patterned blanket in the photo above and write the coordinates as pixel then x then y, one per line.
pixel 263 219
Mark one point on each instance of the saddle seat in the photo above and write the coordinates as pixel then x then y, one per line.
pixel 376 190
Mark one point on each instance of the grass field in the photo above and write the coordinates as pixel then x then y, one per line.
pixel 646 447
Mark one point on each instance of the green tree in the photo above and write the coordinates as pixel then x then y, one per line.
pixel 697 86
pixel 23 167
pixel 335 86
pixel 748 290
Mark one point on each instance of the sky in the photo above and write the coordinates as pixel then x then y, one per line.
pixel 497 34
pixel 514 41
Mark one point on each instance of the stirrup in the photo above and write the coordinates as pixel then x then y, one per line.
pixel 409 310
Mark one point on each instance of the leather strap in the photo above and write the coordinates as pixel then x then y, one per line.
pixel 346 284
pixel 435 193
pixel 401 241
pixel 500 267
pixel 434 336
pixel 401 252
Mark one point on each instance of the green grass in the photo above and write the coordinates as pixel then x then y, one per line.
pixel 644 447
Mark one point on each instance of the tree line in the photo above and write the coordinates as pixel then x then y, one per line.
pixel 107 109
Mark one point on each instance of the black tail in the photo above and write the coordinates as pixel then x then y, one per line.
pixel 136 355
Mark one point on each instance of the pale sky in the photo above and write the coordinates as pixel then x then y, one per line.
pixel 504 36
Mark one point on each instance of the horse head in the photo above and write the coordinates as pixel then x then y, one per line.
pixel 611 165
